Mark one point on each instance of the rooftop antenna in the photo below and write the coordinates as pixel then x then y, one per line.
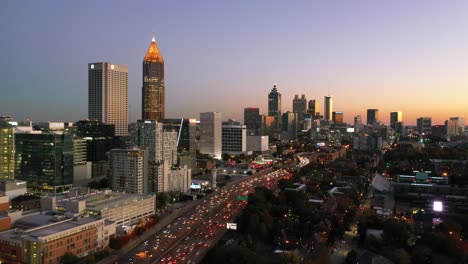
pixel 153 39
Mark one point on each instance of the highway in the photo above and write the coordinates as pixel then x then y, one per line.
pixel 190 236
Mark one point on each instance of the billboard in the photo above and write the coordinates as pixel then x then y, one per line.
pixel 438 206
pixel 232 226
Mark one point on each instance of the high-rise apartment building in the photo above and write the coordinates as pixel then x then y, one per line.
pixel 314 108
pixel 7 151
pixel 300 104
pixel 424 125
pixel 129 170
pixel 274 102
pixel 328 107
pixel 153 91
pixel 395 118
pixel 211 134
pixel 338 117
pixel 252 120
pixel 460 124
pixel 108 95
pixel 234 137
pixel 372 116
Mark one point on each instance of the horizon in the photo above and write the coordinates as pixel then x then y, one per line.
pixel 398 56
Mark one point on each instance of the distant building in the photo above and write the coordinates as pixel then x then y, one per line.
pixel 108 95
pixel 257 143
pixel 7 150
pixel 289 122
pixel 395 118
pixel 234 137
pixel 459 125
pixel 44 160
pixel 372 116
pixel 300 104
pixel 338 117
pixel 314 108
pixel 153 91
pixel 211 134
pixel 252 120
pixel 328 108
pixel 129 170
pixel 274 102
pixel 424 125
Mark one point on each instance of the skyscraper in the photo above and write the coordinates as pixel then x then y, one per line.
pixel 300 104
pixel 314 108
pixel 395 118
pixel 328 107
pixel 372 116
pixel 153 91
pixel 129 170
pixel 211 134
pixel 234 137
pixel 252 120
pixel 274 102
pixel 108 95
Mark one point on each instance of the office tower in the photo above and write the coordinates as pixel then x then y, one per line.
pixel 211 134
pixel 153 91
pixel 234 137
pixel 274 102
pixel 108 95
pixel 289 121
pixel 129 169
pixel 252 120
pixel 328 107
pixel 338 117
pixel 460 125
pixel 7 150
pixel 372 116
pixel 424 125
pixel 99 140
pixel 395 118
pixel 44 159
pixel 314 108
pixel 300 104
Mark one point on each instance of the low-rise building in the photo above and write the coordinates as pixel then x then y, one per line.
pixel 48 243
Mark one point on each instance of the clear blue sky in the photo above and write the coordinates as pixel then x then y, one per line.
pixel 409 56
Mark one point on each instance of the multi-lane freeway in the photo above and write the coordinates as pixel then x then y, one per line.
pixel 189 237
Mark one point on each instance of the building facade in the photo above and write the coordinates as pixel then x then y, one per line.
pixel 7 151
pixel 252 120
pixel 44 159
pixel 153 91
pixel 338 117
pixel 314 108
pixel 108 95
pixel 372 116
pixel 328 108
pixel 300 104
pixel 129 170
pixel 211 134
pixel 424 125
pixel 234 138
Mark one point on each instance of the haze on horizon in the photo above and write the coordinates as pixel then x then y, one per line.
pixel 407 56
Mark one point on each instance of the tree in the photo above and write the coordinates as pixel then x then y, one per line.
pixel 396 232
pixel 69 258
pixel 351 257
pixel 421 255
pixel 289 258
pixel 162 199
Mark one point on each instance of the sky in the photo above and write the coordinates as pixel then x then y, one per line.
pixel 409 56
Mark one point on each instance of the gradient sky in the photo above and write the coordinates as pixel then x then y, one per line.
pixel 409 56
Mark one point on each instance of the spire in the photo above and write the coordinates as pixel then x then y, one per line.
pixel 153 54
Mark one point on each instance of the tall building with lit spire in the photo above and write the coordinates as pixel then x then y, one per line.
pixel 153 91
pixel 274 102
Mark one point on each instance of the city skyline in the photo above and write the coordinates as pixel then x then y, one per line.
pixel 224 57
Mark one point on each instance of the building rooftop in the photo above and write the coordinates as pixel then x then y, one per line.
pixel 59 227
pixel 104 200
pixel 153 54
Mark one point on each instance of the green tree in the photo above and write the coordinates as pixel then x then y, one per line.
pixel 162 199
pixel 289 258
pixel 69 258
